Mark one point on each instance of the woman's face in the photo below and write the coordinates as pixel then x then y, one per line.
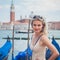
pixel 37 26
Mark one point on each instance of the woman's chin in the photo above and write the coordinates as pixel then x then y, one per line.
pixel 37 31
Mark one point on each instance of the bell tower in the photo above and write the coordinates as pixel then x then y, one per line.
pixel 12 12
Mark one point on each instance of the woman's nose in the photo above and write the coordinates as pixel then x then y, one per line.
pixel 36 27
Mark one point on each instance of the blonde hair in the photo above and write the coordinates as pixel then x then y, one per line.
pixel 39 18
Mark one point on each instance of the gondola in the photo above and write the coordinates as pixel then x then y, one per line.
pixel 27 54
pixel 5 49
pixel 17 38
pixel 24 32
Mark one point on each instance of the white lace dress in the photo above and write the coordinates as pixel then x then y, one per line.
pixel 38 51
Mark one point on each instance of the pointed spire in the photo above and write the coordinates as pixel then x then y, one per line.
pixel 12 5
pixel 12 1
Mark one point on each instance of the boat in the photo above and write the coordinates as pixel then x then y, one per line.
pixel 25 38
pixel 24 32
pixel 5 49
pixel 27 54
pixel 16 38
pixel 24 55
pixel 48 51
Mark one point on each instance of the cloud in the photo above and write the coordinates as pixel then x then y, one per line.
pixel 41 5
pixel 0 7
pixel 52 4
pixel 4 6
pixel 7 6
pixel 48 8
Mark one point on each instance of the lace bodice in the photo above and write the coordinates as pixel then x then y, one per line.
pixel 38 51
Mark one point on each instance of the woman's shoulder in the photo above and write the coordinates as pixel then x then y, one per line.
pixel 44 38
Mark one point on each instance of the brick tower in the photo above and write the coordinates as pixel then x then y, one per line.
pixel 12 12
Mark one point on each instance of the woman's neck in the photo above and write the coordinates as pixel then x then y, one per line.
pixel 38 34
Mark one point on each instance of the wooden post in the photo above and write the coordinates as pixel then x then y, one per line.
pixel 13 44
pixel 12 41
pixel 28 38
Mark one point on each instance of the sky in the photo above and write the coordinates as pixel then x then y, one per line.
pixel 49 9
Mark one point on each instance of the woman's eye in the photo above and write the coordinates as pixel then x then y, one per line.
pixel 39 25
pixel 34 24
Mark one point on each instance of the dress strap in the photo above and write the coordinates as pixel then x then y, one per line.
pixel 38 39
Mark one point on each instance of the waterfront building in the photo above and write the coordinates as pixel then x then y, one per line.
pixel 21 23
pixel 54 25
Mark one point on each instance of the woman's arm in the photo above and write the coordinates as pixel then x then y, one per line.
pixel 55 53
pixel 47 43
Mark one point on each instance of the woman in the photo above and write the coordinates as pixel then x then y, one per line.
pixel 40 40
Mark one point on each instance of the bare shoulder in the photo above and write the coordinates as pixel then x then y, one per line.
pixel 45 39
